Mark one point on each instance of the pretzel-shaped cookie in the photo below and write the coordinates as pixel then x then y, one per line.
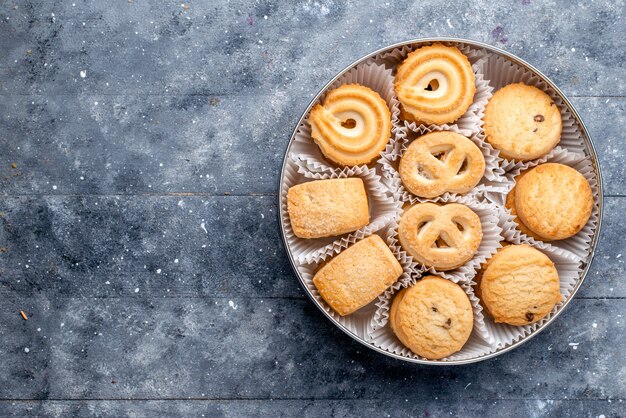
pixel 443 237
pixel 441 162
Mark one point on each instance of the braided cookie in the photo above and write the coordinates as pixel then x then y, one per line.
pixel 441 162
pixel 352 126
pixel 435 85
pixel 443 237
pixel 433 318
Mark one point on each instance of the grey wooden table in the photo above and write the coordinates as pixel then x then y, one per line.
pixel 140 149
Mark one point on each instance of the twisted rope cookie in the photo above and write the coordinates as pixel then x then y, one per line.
pixel 435 84
pixel 443 237
pixel 441 162
pixel 352 126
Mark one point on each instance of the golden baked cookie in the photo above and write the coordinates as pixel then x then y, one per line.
pixel 510 205
pixel 519 285
pixel 522 122
pixel 435 85
pixel 441 162
pixel 357 275
pixel 352 126
pixel 554 201
pixel 325 208
pixel 444 237
pixel 433 318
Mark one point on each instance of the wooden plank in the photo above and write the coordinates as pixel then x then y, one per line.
pixel 231 47
pixel 241 348
pixel 104 247
pixel 410 407
pixel 95 144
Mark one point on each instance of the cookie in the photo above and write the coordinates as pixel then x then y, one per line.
pixel 352 126
pixel 433 318
pixel 357 275
pixel 554 201
pixel 435 85
pixel 326 208
pixel 519 285
pixel 444 237
pixel 522 122
pixel 441 162
pixel 510 205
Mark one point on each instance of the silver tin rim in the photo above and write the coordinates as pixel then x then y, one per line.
pixel 590 148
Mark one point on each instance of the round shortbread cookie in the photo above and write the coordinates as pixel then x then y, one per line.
pixel 510 205
pixel 554 201
pixel 433 318
pixel 519 285
pixel 522 122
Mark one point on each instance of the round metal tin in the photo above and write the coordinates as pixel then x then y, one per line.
pixel 589 148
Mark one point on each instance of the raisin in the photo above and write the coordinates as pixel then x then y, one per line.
pixel 530 316
pixel 539 118
pixel 434 309
pixel 449 322
pixel 535 130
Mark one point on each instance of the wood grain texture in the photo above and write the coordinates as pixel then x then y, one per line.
pixel 150 292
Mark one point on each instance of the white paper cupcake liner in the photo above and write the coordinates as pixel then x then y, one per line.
pixel 577 247
pixel 377 78
pixel 491 241
pixel 381 335
pixel 411 272
pixel 383 209
pixel 501 72
pixel 503 335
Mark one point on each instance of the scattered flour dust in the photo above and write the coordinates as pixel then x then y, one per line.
pixel 232 304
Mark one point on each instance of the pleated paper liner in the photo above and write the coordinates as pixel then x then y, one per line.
pixel 382 336
pixel 359 322
pixel 377 78
pixel 501 72
pixel 492 236
pixel 569 271
pixel 383 209
pixel 490 182
pixel 577 247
